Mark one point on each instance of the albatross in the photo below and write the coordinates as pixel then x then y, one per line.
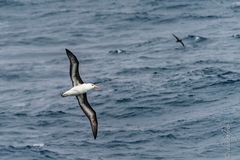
pixel 79 90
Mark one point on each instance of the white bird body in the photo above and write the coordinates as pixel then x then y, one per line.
pixel 79 89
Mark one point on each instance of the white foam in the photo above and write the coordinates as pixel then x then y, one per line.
pixel 38 145
pixel 236 4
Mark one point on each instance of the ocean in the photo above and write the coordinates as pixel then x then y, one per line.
pixel 159 100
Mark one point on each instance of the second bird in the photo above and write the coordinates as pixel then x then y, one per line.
pixel 178 40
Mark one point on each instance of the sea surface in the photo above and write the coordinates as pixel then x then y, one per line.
pixel 159 101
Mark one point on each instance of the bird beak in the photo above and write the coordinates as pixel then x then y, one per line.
pixel 97 87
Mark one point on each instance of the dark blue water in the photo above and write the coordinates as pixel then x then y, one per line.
pixel 158 99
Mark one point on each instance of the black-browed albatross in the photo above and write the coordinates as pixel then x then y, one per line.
pixel 79 90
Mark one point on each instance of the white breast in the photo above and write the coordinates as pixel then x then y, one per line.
pixel 76 90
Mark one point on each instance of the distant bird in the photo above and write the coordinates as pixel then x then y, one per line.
pixel 79 90
pixel 178 40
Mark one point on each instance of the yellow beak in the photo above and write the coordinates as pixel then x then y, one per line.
pixel 97 87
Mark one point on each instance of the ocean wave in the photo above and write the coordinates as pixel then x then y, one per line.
pixel 50 113
pixel 168 136
pixel 25 147
pixel 41 40
pixel 124 100
pixel 177 6
pixel 145 17
pixel 151 70
pixel 235 5
pixel 17 3
pixel 125 115
pixel 211 61
pixel 34 149
pixel 150 42
pixel 55 12
pixel 117 51
pixel 226 82
pixel 196 38
pixel 236 36
pixel 53 122
pixel 13 3
pixel 196 17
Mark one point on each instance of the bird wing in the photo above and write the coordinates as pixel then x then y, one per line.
pixel 89 112
pixel 182 43
pixel 74 73
pixel 175 37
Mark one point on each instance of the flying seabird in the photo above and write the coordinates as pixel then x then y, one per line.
pixel 178 40
pixel 79 90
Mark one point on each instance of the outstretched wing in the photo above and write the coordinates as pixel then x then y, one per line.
pixel 74 73
pixel 176 37
pixel 89 112
pixel 182 43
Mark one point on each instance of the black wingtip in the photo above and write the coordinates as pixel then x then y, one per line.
pixel 94 125
pixel 94 133
pixel 70 54
pixel 68 51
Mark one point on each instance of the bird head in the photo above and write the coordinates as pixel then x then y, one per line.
pixel 93 86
